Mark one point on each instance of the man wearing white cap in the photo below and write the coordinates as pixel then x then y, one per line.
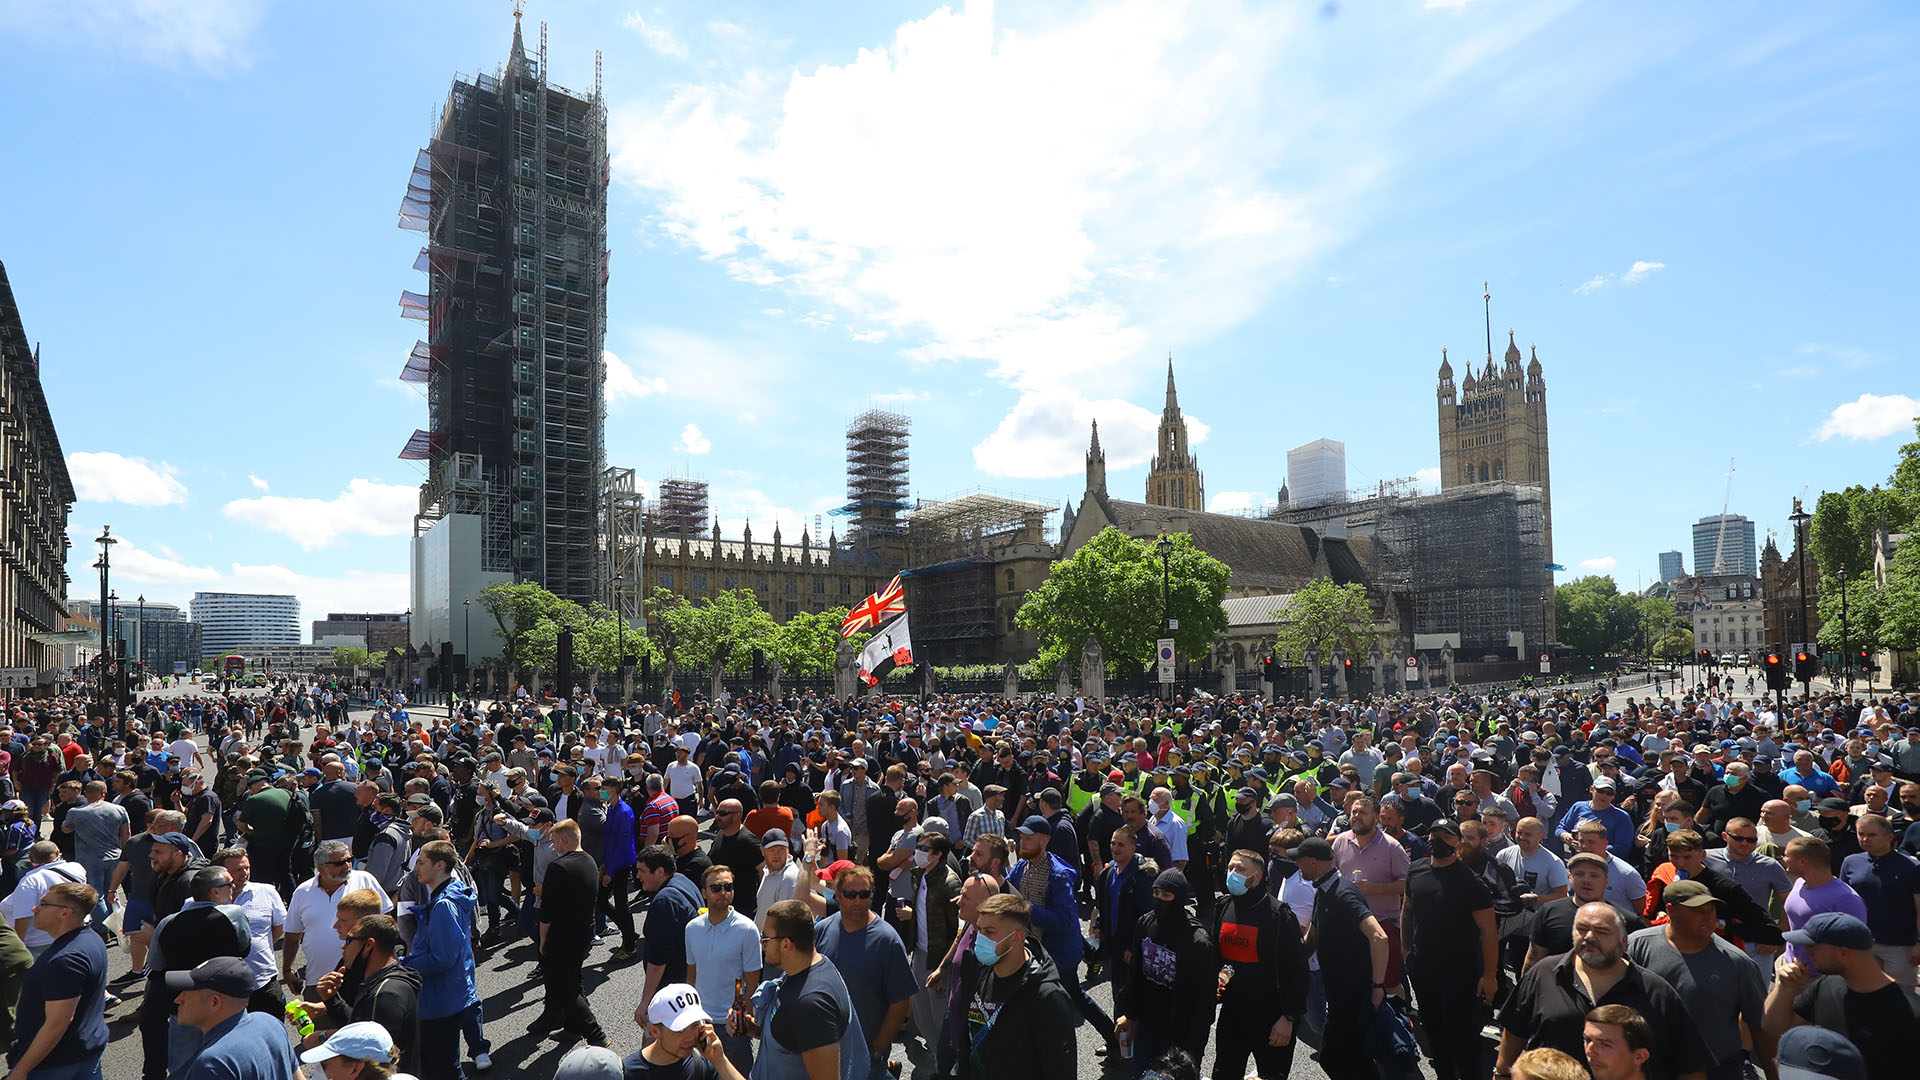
pixel 678 1026
pixel 347 1053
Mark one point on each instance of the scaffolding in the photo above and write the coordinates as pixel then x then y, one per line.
pixel 511 192
pixel 876 472
pixel 681 509
pixel 979 522
pixel 625 516
pixel 1471 562
pixel 953 550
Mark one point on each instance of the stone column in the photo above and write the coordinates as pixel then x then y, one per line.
pixel 1093 671
pixel 773 677
pixel 843 671
pixel 1340 674
pixel 715 687
pixel 1229 673
pixel 1010 682
pixel 1446 663
pixel 1374 664
pixel 1062 680
pixel 1312 660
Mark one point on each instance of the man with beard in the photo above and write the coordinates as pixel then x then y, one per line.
pixel 1452 951
pixel 1550 1005
pixel 371 985
pixel 1122 893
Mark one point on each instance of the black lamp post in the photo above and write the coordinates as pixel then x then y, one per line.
pixel 106 542
pixel 1165 547
pixel 1846 646
pixel 140 638
pixel 1800 517
pixel 466 642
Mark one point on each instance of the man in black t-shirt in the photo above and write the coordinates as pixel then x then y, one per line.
pixel 567 897
pixel 1452 950
pixel 1553 921
pixel 1845 990
pixel 804 1016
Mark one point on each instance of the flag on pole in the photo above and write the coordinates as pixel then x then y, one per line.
pixel 875 609
pixel 890 648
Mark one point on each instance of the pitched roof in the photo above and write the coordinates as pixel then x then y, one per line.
pixel 1262 554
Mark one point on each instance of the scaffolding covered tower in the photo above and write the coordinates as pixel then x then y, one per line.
pixel 681 509
pixel 876 471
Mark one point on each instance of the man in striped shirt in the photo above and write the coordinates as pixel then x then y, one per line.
pixel 660 809
pixel 988 820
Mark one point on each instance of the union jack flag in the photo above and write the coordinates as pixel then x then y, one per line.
pixel 876 609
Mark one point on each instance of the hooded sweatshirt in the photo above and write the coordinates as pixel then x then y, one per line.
pixel 1172 980
pixel 1028 1011
pixel 388 996
pixel 443 951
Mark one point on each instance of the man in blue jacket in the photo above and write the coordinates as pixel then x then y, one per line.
pixel 443 955
pixel 1048 884
pixel 617 857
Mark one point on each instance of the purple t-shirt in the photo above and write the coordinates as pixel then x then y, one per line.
pixel 1804 903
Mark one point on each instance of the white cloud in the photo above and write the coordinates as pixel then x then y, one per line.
pixel 167 577
pixel 900 397
pixel 1046 434
pixel 692 442
pixel 208 34
pixel 257 482
pixel 1232 502
pixel 657 37
pixel 1428 477
pixel 366 508
pixel 1602 564
pixel 623 385
pixel 1869 417
pixel 105 476
pixel 1640 271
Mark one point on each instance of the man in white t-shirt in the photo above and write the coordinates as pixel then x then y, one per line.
pixel 311 912
pixel 683 780
pixel 49 869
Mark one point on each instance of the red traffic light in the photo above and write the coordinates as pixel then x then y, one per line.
pixel 1801 658
pixel 1349 663
pixel 1772 659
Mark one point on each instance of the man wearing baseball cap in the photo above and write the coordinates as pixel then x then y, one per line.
pixel 678 1026
pixel 1843 989
pixel 235 1044
pixel 1720 983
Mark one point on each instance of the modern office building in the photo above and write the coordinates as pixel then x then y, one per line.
pixel 1672 566
pixel 373 631
pixel 1723 545
pixel 35 496
pixel 511 196
pixel 229 621
pixel 155 633
pixel 1317 473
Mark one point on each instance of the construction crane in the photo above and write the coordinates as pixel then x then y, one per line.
pixel 1720 540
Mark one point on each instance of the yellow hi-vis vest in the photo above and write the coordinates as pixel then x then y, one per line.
pixel 1079 798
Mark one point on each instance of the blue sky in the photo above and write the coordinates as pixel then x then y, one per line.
pixel 1000 222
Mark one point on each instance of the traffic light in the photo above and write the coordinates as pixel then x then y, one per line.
pixel 1269 668
pixel 1776 668
pixel 1863 660
pixel 1706 657
pixel 1347 661
pixel 1805 666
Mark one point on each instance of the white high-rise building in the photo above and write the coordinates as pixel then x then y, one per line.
pixel 1316 472
pixel 231 620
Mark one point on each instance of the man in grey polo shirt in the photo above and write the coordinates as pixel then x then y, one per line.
pixel 99 826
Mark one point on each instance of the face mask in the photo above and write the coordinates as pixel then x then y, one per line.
pixel 1441 849
pixel 1734 780
pixel 1168 909
pixel 1831 824
pixel 605 795
pixel 1236 883
pixel 1803 805
pixel 826 891
pixel 922 859
pixel 985 951
pixel 1673 826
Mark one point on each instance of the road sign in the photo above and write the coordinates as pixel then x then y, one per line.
pixel 1173 624
pixel 1546 664
pixel 1165 655
pixel 18 678
pixel 1412 662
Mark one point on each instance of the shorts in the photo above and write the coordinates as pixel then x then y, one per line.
pixel 138 912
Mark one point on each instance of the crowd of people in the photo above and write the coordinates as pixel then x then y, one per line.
pixel 1539 883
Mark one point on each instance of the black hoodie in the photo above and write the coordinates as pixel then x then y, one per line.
pixel 1031 1011
pixel 390 997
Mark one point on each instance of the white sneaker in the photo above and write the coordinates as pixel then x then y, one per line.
pixel 482 1061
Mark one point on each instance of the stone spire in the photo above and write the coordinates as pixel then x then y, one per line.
pixel 1173 477
pixel 1173 400
pixel 1446 366
pixel 517 56
pixel 1096 463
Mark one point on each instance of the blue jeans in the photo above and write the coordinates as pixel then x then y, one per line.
pixel 470 1023
pixel 79 1070
pixel 98 877
pixel 494 896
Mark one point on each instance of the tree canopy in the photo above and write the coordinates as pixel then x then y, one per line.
pixel 1323 616
pixel 1593 617
pixel 1111 590
pixel 1842 532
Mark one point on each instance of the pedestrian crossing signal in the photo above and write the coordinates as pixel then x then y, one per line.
pixel 1805 666
pixel 1776 669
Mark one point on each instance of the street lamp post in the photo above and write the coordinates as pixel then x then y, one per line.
pixel 1800 517
pixel 1846 646
pixel 466 642
pixel 117 657
pixel 140 638
pixel 106 542
pixel 1165 546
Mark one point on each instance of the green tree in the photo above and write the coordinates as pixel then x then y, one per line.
pixel 728 626
pixel 349 656
pixel 1321 616
pixel 1866 615
pixel 1673 644
pixel 518 609
pixel 805 643
pixel 1657 620
pixel 1111 590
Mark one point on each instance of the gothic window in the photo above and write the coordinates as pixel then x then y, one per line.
pixel 699 582
pixel 793 608
pixel 793 587
pixel 1009 580
pixel 761 583
pixel 1499 470
pixel 666 579
pixel 819 587
pixel 846 588
pixel 732 581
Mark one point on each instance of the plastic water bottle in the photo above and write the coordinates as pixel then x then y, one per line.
pixel 301 1019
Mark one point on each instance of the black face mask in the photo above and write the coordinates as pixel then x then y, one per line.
pixel 1169 910
pixel 1832 824
pixel 1441 849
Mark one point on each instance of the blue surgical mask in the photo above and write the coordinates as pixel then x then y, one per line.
pixel 986 951
pixel 1673 826
pixel 1236 883
pixel 1803 805
pixel 827 891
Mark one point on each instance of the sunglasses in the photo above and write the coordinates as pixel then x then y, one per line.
pixel 1738 839
pixel 863 894
pixel 725 886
